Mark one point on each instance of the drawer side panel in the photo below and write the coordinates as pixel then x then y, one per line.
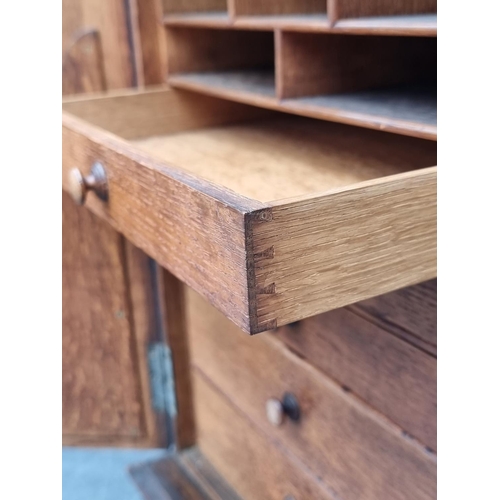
pixel 326 252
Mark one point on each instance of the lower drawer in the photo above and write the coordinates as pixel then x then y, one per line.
pixel 390 374
pixel 255 467
pixel 357 452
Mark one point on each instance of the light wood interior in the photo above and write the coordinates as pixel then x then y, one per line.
pixel 289 156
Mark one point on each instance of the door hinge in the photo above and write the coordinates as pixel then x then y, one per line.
pixel 162 379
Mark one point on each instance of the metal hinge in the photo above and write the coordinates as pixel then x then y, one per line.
pixel 162 379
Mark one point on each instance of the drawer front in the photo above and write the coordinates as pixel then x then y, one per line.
pixel 357 452
pixel 189 226
pixel 263 264
pixel 409 313
pixel 255 467
pixel 387 372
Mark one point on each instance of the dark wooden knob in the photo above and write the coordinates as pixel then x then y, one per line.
pixel 277 410
pixel 96 181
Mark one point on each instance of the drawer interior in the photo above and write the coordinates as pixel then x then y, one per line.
pixel 265 156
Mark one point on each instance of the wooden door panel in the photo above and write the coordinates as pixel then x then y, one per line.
pixel 108 303
pixel 107 23
pixel 101 396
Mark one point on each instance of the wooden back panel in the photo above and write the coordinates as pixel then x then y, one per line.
pixel 315 64
pixel 193 50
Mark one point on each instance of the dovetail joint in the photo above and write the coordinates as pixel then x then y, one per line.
pixel 268 253
pixel 266 290
pixel 264 215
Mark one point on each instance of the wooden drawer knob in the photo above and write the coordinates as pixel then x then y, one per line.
pixel 277 410
pixel 96 181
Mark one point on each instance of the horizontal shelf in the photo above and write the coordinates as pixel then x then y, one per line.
pixel 408 25
pixel 415 105
pixel 252 83
pixel 405 110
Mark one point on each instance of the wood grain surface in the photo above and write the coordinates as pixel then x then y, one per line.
pixel 323 254
pixel 277 7
pixel 83 65
pixel 192 228
pixel 356 451
pixel 101 389
pixel 173 6
pixel 399 110
pixel 134 115
pixel 394 377
pixel 143 299
pixel 150 41
pixel 285 156
pixel 254 465
pixel 191 50
pixel 410 313
pixel 401 25
pixel 371 236
pixel 342 9
pixel 171 291
pixel 234 60
pixel 107 21
pixel 106 284
pixel 316 64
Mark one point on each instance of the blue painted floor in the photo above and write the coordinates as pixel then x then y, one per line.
pixel 102 473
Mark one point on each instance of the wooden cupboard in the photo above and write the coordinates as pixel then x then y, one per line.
pixel 280 168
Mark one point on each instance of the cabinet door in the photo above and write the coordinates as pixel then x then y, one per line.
pixel 108 299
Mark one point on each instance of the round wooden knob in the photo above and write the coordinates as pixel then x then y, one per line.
pixel 277 410
pixel 274 412
pixel 96 181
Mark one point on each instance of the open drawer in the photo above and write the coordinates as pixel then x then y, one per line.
pixel 272 217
